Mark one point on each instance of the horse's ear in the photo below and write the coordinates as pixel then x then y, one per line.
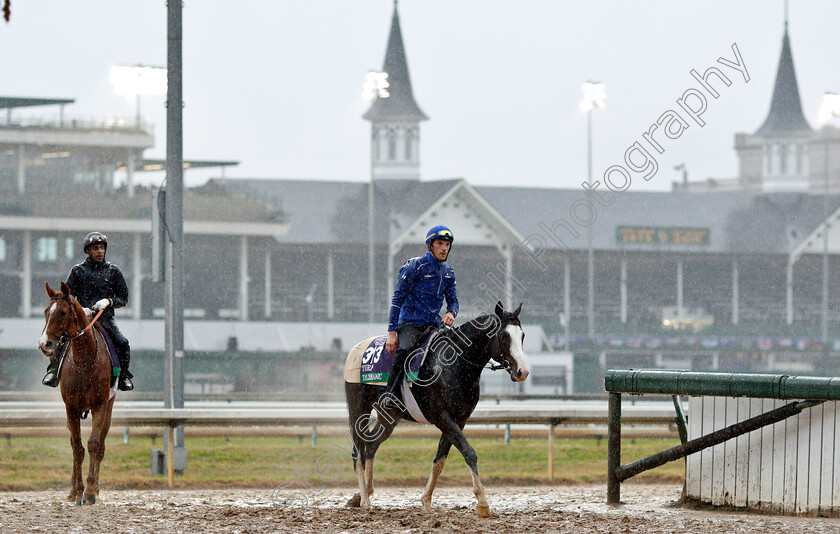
pixel 499 308
pixel 50 292
pixel 519 309
pixel 65 288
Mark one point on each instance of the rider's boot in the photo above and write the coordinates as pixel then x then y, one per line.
pixel 51 378
pixel 124 382
pixel 394 381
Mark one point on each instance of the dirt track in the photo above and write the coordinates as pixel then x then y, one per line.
pixel 647 508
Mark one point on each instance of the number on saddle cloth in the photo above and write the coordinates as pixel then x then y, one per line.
pixel 377 361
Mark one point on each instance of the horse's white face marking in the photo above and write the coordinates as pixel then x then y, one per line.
pixel 42 341
pixel 518 353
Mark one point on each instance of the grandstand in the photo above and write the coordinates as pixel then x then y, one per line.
pixel 701 276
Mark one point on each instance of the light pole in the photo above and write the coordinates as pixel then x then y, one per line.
pixel 681 167
pixel 376 86
pixel 593 97
pixel 829 109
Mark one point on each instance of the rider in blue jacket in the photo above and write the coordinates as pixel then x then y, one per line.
pixel 422 285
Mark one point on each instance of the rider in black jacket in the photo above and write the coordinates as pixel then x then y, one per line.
pixel 99 285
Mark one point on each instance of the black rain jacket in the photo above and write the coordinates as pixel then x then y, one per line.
pixel 91 281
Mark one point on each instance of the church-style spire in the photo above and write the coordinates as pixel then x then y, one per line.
pixel 785 109
pixel 400 103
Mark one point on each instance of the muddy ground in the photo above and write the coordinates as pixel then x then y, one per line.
pixel 650 509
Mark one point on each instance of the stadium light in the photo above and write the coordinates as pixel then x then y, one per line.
pixel 594 94
pixel 829 108
pixel 376 85
pixel 138 80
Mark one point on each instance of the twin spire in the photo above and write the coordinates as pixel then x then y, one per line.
pixel 400 104
pixel 786 108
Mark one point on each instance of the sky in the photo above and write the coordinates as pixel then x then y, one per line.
pixel 276 84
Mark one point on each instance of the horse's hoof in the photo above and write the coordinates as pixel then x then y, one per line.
pixel 354 502
pixel 483 510
pixel 91 500
pixel 77 503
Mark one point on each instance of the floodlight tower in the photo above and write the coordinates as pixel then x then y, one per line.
pixel 136 81
pixel 593 97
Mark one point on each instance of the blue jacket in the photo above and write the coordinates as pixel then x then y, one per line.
pixel 421 287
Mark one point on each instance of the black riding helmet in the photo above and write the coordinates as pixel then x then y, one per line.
pixel 94 238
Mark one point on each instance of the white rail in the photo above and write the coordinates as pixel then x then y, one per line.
pixel 47 415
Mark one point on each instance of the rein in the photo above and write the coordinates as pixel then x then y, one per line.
pixel 80 334
pixel 89 326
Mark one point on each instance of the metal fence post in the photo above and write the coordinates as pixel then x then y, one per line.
pixel 613 448
pixel 170 455
pixel 551 452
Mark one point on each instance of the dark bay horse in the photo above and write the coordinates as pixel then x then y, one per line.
pixel 446 392
pixel 85 385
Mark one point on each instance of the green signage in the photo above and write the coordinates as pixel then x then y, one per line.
pixel 655 235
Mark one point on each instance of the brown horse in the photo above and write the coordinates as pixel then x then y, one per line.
pixel 85 385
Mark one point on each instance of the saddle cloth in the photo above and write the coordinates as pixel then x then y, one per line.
pixel 369 362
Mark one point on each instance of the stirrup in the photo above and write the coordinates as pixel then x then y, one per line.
pixel 390 401
pixel 124 383
pixel 51 379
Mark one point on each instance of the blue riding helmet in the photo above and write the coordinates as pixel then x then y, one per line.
pixel 439 232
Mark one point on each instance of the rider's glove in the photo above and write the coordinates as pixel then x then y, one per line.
pixel 88 312
pixel 101 304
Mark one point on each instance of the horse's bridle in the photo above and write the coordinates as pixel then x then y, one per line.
pixel 63 338
pixel 504 363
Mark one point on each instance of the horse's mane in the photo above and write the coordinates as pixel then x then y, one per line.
pixel 468 329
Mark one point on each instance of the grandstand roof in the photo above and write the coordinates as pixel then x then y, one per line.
pixel 737 222
pixel 21 102
pixel 332 212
